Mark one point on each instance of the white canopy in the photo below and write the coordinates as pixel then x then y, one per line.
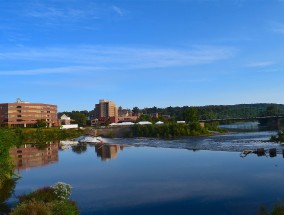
pixel 144 123
pixel 159 123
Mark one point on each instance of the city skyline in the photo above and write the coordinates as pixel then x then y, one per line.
pixel 142 53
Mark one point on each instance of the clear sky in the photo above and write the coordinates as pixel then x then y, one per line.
pixel 141 53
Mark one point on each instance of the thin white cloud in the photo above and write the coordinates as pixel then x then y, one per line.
pixel 57 70
pixel 118 57
pixel 53 12
pixel 260 64
pixel 278 28
pixel 118 10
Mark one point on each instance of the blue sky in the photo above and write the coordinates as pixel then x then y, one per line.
pixel 142 53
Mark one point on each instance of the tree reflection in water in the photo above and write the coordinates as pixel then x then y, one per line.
pixel 6 190
pixel 79 148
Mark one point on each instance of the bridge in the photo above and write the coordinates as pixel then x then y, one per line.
pixel 241 118
pixel 272 114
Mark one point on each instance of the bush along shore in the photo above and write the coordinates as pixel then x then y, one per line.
pixel 7 180
pixel 52 200
pixel 171 130
pixel 40 135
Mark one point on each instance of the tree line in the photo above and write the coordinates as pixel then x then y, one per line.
pixel 190 114
pixel 169 130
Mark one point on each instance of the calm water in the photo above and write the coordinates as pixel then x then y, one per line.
pixel 148 176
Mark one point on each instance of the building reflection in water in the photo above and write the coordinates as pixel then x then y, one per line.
pixel 29 155
pixel 107 152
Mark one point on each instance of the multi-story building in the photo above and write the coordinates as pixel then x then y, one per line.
pixel 25 114
pixel 106 108
pixel 106 111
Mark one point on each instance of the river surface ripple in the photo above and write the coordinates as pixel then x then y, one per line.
pixel 233 142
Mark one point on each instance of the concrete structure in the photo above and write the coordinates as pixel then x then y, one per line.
pixel 25 114
pixel 114 131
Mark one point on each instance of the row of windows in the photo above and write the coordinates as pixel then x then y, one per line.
pixel 31 107
pixel 27 115
pixel 21 120
pixel 26 106
pixel 30 111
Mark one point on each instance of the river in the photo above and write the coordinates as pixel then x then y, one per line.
pixel 200 175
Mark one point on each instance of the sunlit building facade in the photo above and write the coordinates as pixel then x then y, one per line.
pixel 106 108
pixel 25 114
pixel 106 111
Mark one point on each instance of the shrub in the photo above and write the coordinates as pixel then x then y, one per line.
pixel 47 201
pixel 45 194
pixel 32 207
pixel 64 208
pixel 62 190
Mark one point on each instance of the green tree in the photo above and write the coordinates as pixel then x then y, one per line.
pixel 191 115
pixel 79 118
pixel 41 124
pixel 272 110
pixel 136 111
pixel 145 118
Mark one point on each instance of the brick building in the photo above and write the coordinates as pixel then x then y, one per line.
pixel 25 114
pixel 105 112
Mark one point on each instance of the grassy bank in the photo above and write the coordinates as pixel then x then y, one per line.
pixel 40 135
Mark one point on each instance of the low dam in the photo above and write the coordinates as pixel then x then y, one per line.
pixel 110 132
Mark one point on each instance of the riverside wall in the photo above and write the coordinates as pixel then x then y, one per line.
pixel 110 132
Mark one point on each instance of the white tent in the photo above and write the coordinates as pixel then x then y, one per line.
pixel 159 123
pixel 144 123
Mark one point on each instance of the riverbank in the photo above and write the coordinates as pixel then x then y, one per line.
pixel 165 131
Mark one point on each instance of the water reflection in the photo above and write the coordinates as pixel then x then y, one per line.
pixel 6 190
pixel 244 126
pixel 32 155
pixel 261 152
pixel 164 178
pixel 107 152
pixel 79 148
